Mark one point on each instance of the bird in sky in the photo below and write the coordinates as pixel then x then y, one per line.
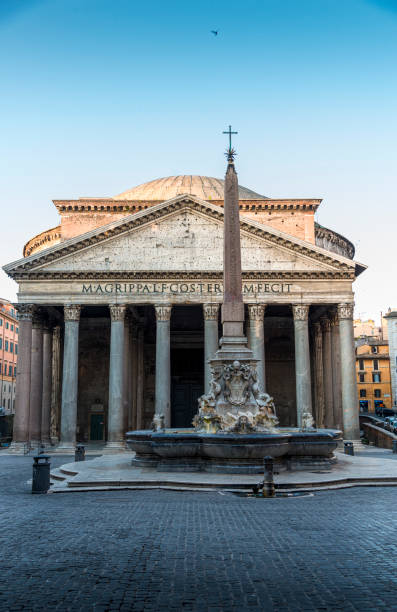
pixel 214 32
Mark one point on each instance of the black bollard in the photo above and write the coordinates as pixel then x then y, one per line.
pixel 394 448
pixel 268 479
pixel 41 474
pixel 79 453
pixel 348 448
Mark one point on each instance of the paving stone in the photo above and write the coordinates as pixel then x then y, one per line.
pixel 165 550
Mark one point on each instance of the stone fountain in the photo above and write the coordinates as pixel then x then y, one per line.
pixel 236 423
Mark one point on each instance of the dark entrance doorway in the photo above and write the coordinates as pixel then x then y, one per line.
pixel 187 363
pixel 187 385
pixel 96 426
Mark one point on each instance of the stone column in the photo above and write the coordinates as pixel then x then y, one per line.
pixel 302 361
pixel 318 375
pixel 336 372
pixel 162 409
pixel 116 412
pixel 327 372
pixel 47 379
pixel 22 395
pixel 351 425
pixel 140 374
pixel 126 371
pixel 256 340
pixel 36 380
pixel 70 378
pixel 55 384
pixel 132 381
pixel 211 342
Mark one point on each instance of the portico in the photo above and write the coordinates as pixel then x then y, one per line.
pixel 117 325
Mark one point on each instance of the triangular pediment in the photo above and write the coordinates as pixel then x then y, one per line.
pixel 183 234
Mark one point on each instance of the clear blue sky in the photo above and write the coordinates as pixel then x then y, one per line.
pixel 100 95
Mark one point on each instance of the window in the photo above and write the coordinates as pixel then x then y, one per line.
pixel 1 322
pixel 376 364
pixel 363 393
pixel 9 370
pixel 1 365
pixel 6 345
pixel 374 349
pixel 1 343
pixel 15 370
pixel 17 330
pixel 7 325
pixel 375 377
pixel 377 393
pixel 361 364
pixel 361 377
pixel 12 327
pixel 11 347
pixel 16 349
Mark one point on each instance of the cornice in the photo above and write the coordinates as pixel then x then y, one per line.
pixel 45 237
pixel 112 205
pixel 163 210
pixel 183 274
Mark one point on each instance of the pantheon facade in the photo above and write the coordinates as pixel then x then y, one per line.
pixel 119 312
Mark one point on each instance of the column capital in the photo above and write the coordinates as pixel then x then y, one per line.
pixel 211 312
pixel 38 321
pixel 71 312
pixel 345 311
pixel 256 312
pixel 25 311
pixel 163 312
pixel 117 312
pixel 300 312
pixel 325 323
pixel 334 318
pixel 317 327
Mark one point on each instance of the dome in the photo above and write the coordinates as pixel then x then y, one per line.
pixel 204 187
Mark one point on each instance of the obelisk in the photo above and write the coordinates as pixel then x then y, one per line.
pixel 232 307
pixel 233 338
pixel 234 403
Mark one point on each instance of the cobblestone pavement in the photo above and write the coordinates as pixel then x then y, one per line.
pixel 163 550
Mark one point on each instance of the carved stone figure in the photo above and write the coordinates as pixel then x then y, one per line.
pixel 307 422
pixel 158 422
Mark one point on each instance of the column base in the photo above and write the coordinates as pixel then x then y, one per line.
pixel 18 448
pixel 115 447
pixel 66 448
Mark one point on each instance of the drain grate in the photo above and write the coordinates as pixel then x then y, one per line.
pixel 322 472
pixel 277 495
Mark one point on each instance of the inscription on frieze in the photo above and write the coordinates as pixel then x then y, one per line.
pixel 181 288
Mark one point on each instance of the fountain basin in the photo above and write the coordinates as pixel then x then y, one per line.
pixel 185 450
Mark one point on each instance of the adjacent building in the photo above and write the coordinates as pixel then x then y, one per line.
pixel 391 318
pixel 119 308
pixel 8 356
pixel 373 375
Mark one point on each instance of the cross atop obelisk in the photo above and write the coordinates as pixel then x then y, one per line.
pixel 230 151
pixel 233 307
